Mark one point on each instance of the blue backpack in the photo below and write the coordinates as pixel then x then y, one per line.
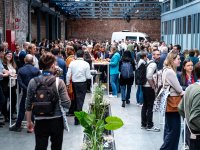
pixel 127 70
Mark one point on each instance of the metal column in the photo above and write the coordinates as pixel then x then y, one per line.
pixel 47 25
pixel 38 26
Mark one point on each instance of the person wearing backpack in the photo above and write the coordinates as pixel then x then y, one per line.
pixel 126 67
pixel 140 72
pixel 45 101
pixel 149 94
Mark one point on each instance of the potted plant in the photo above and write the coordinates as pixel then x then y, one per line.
pixel 97 123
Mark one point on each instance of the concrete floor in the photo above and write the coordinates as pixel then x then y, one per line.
pixel 129 137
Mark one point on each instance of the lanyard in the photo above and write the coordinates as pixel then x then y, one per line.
pixel 46 73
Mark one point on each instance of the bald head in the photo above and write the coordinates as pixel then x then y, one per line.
pixel 28 59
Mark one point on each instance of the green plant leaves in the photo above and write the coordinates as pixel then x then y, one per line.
pixel 94 122
pixel 113 123
pixel 85 119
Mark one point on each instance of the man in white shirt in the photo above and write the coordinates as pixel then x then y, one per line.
pixel 80 72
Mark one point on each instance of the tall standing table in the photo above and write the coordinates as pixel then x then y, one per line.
pixel 104 63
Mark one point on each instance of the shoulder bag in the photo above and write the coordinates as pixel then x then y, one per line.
pixel 161 99
pixel 65 122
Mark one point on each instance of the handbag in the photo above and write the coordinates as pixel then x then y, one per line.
pixel 172 103
pixel 65 122
pixel 161 99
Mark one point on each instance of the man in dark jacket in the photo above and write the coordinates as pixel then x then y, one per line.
pixel 23 54
pixel 192 57
pixel 178 49
pixel 61 63
pixel 25 74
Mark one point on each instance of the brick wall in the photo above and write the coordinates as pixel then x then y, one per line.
pixel 21 12
pixel 15 9
pixel 101 30
pixel 1 14
pixel 10 14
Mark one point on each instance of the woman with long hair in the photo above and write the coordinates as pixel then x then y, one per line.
pixel 187 76
pixel 126 83
pixel 172 118
pixel 9 64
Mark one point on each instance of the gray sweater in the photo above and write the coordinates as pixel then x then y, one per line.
pixel 172 80
pixel 65 100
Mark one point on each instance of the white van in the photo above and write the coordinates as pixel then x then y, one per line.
pixel 127 35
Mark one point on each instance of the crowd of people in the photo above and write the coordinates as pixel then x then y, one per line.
pixel 71 61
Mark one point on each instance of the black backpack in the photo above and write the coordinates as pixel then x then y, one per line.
pixel 44 100
pixel 140 74
pixel 126 70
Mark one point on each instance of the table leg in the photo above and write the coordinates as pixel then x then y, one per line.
pixel 10 101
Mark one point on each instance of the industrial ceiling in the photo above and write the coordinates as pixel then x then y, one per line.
pixel 127 9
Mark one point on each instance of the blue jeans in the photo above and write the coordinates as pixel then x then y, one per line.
pixel 114 83
pixel 139 95
pixel 172 131
pixel 21 114
pixel 125 92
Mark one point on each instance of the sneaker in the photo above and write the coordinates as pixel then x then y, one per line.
pixel 76 122
pixel 127 101
pixel 15 128
pixel 155 129
pixel 123 103
pixel 112 96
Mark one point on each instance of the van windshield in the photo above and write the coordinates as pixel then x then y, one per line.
pixel 132 38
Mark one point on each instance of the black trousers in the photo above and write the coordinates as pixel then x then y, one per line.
pixel 46 128
pixel 88 84
pixel 80 89
pixel 147 108
pixel 5 111
pixel 2 98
